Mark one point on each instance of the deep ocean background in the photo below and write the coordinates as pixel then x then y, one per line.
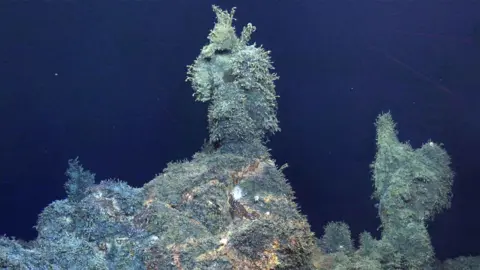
pixel 105 81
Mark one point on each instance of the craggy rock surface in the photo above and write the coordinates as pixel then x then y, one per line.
pixel 229 207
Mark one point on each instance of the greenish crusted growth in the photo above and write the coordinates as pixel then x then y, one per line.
pixel 222 38
pixel 254 238
pixel 420 177
pixel 237 80
pixel 337 238
pixel 79 180
pixel 411 185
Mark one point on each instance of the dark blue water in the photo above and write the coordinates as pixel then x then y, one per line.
pixel 105 82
